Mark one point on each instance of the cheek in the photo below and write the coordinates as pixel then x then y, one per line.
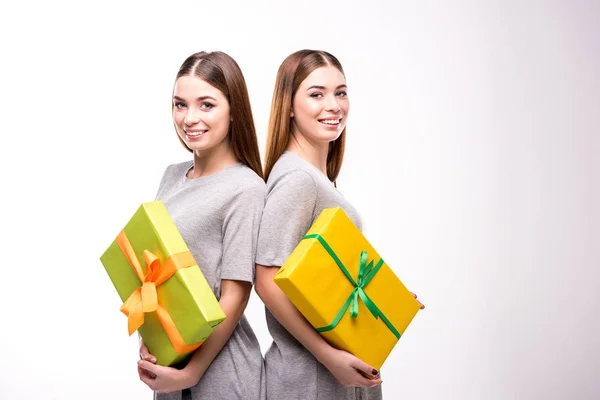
pixel 178 118
pixel 218 119
pixel 314 108
pixel 307 111
pixel 346 107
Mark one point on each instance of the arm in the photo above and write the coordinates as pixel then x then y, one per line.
pixel 287 216
pixel 343 365
pixel 287 314
pixel 234 298
pixel 240 227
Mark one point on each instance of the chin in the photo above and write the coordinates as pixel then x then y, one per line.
pixel 329 136
pixel 199 148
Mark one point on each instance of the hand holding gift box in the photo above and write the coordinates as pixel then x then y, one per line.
pixel 345 290
pixel 166 297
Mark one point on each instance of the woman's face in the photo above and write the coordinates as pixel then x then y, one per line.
pixel 320 106
pixel 200 113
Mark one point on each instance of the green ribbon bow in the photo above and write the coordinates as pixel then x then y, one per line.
pixel 366 272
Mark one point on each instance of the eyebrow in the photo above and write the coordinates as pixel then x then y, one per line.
pixel 199 98
pixel 323 87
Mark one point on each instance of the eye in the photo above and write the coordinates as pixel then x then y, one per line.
pixel 316 95
pixel 342 93
pixel 206 106
pixel 179 105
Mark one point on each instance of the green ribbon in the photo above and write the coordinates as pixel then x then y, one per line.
pixel 366 272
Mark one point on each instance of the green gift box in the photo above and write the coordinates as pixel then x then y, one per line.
pixel 165 295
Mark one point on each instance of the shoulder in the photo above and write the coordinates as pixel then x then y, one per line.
pixel 289 170
pixel 296 179
pixel 246 182
pixel 173 173
pixel 177 169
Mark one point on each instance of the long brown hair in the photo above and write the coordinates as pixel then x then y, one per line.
pixel 294 69
pixel 221 71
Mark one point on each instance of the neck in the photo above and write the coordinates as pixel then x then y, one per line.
pixel 210 161
pixel 313 152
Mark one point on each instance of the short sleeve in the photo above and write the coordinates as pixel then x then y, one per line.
pixel 288 215
pixel 240 231
pixel 166 181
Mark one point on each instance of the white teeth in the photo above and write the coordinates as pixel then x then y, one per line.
pixel 195 133
pixel 331 121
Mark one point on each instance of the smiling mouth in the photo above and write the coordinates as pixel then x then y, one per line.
pixel 330 122
pixel 196 134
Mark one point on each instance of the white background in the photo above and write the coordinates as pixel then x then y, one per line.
pixel 472 156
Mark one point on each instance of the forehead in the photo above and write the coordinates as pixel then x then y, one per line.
pixel 324 76
pixel 193 87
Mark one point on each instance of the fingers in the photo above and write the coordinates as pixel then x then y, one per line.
pixel 365 380
pixel 358 364
pixel 145 378
pixel 148 366
pixel 149 374
pixel 368 376
pixel 415 296
pixel 145 354
pixel 369 380
pixel 148 357
pixel 375 382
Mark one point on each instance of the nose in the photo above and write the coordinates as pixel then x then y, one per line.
pixel 192 117
pixel 332 104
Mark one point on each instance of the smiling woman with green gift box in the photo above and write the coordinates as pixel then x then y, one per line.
pixel 216 201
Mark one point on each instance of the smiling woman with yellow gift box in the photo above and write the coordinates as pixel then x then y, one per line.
pixel 332 276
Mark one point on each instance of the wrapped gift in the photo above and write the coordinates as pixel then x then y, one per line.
pixel 345 290
pixel 166 297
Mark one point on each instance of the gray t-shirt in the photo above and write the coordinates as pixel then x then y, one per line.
pixel 218 216
pixel 297 192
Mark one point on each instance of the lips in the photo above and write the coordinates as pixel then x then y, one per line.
pixel 330 122
pixel 195 134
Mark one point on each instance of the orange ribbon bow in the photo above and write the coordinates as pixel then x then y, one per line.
pixel 144 299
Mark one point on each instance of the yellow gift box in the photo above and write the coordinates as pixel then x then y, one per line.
pixel 166 297
pixel 337 280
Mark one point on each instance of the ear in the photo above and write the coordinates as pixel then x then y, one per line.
pixel 291 114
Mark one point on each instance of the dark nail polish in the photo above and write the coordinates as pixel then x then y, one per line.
pixel 375 371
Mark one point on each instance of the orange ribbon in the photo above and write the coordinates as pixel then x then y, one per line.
pixel 144 298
